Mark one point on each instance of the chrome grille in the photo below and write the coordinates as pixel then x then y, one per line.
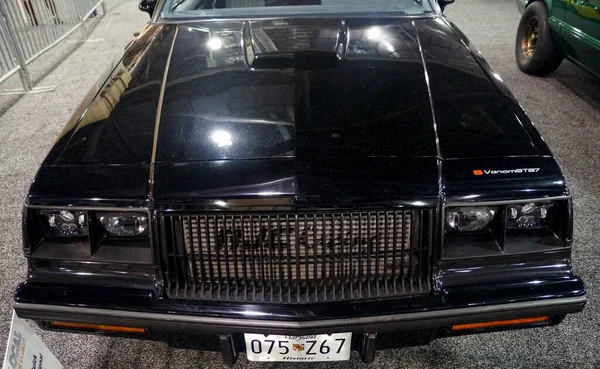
pixel 295 257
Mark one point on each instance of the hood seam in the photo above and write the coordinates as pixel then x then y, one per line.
pixel 159 106
pixel 433 118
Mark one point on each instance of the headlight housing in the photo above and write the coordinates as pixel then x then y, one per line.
pixel 123 224
pixel 507 228
pixel 470 218
pixel 528 216
pixel 88 235
pixel 66 223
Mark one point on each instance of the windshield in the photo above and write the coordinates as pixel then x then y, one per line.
pixel 258 8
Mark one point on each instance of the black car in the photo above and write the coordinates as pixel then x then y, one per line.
pixel 295 179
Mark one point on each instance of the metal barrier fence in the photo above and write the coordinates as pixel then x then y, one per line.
pixel 29 28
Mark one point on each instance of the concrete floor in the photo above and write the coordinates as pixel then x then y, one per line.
pixel 565 107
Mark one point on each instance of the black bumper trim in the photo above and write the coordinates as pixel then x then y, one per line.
pixel 395 322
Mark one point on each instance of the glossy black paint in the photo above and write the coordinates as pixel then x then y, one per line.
pixel 449 298
pixel 405 114
pixel 462 185
pixel 368 105
pixel 506 269
pixel 126 185
pixel 341 182
pixel 373 103
pixel 118 126
pixel 435 98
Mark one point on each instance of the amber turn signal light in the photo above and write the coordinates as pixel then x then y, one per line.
pixel 98 327
pixel 500 323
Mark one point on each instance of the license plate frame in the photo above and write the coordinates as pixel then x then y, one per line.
pixel 304 348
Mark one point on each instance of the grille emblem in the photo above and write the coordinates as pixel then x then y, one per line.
pixel 277 238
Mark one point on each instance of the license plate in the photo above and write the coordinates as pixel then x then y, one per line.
pixel 316 347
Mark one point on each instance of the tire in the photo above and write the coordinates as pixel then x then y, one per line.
pixel 535 51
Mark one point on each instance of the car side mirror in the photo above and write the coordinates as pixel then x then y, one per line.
pixel 444 3
pixel 148 6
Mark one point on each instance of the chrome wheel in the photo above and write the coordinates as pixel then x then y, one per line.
pixel 530 38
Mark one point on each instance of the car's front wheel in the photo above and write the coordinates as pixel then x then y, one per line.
pixel 535 51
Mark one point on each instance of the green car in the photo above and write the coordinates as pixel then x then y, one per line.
pixel 551 30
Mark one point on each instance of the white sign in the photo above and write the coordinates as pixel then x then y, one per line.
pixel 25 350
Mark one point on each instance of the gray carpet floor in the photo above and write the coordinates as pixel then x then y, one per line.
pixel 564 105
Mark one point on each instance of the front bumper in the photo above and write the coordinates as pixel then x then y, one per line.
pixel 384 323
pixel 430 316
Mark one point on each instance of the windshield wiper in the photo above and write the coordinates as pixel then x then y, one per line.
pixel 178 3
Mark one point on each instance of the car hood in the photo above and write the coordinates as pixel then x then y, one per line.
pixel 343 111
pixel 295 88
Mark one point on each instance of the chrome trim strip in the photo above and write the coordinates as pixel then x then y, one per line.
pixel 504 202
pixel 395 321
pixel 161 98
pixel 92 208
pixel 426 75
pixel 440 176
pixel 345 16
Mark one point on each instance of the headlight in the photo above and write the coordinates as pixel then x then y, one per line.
pixel 480 231
pixel 528 216
pixel 88 235
pixel 469 218
pixel 66 223
pixel 124 224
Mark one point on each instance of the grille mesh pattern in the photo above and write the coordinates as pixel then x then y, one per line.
pixel 295 257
